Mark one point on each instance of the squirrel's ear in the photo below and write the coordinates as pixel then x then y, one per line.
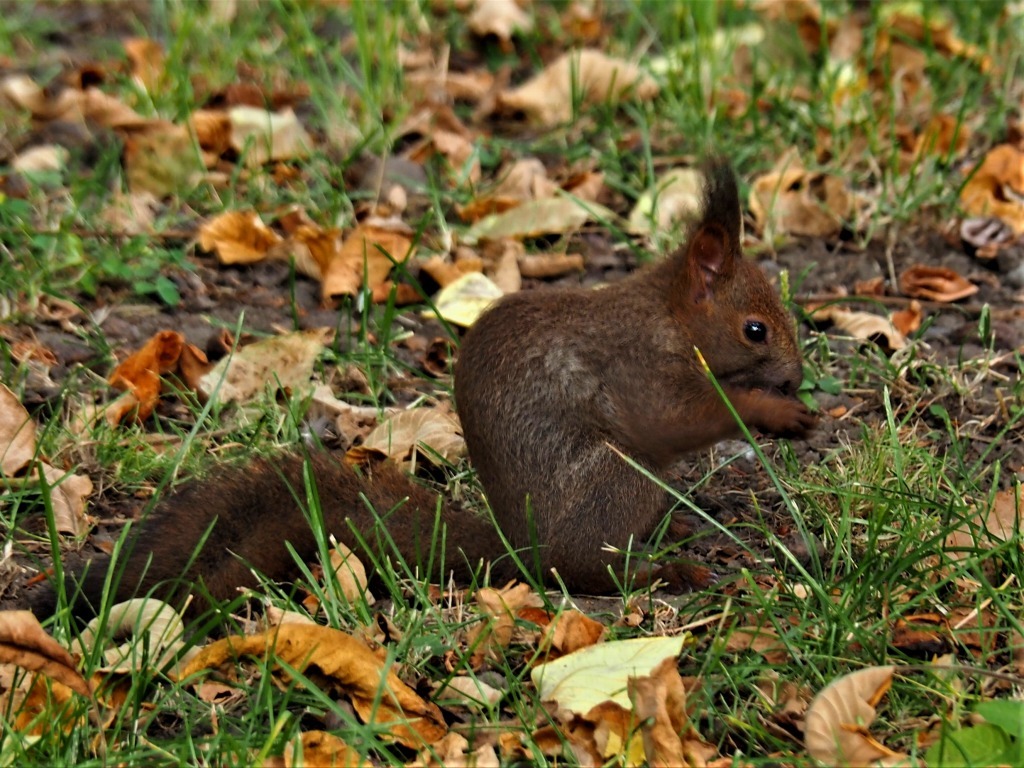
pixel 709 257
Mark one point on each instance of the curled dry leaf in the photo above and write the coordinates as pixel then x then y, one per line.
pixel 545 265
pixel 997 187
pixel 571 630
pixel 155 628
pixel 553 215
pixel 350 574
pixel 402 437
pixel 678 196
pixel 39 707
pixel 659 705
pixel 799 202
pixel 984 236
pixel 17 434
pixel 161 159
pixel 237 237
pixel 860 325
pixel 147 61
pixel 501 18
pixel 139 375
pixel 593 76
pixel 67 495
pixel 349 668
pixel 263 135
pixel 500 607
pixel 23 642
pixel 935 284
pixel 908 321
pixel 321 748
pixel 836 725
pixel 18 450
pixel 284 362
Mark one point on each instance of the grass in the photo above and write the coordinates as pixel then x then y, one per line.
pixel 844 555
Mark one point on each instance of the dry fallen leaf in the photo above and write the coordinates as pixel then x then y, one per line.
pixel 311 748
pixel 237 237
pixel 402 437
pixel 659 705
pixel 860 325
pixel 24 643
pixel 594 77
pixel 17 434
pixel 263 135
pixel 463 301
pixel 799 202
pixel 347 666
pixel 677 196
pixel 18 455
pixel 500 607
pixel 156 633
pixel 996 188
pixel 588 677
pixel 139 375
pixel 836 725
pixel 553 215
pixel 908 321
pixel 147 60
pixel 501 18
pixel 161 159
pixel 284 362
pixel 935 284
pixel 350 574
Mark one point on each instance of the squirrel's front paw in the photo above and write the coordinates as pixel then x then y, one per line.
pixel 789 418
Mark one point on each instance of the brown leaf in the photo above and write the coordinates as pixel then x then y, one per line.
pixel 140 373
pixel 573 630
pixel 321 748
pixel 986 235
pixel 545 265
pixel 908 320
pixel 553 215
pixel 860 325
pixel 836 726
pixel 24 642
pixel 400 438
pixel 500 606
pixel 501 18
pixel 161 159
pixel 147 60
pixel 997 187
pixel 935 283
pixel 67 495
pixel 237 237
pixel 799 202
pixel 284 362
pixel 377 244
pixel 351 668
pixel 547 98
pixel 17 434
pixel 350 574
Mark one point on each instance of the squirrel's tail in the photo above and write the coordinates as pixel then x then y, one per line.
pixel 209 538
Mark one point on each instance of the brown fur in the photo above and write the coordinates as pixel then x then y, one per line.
pixel 547 382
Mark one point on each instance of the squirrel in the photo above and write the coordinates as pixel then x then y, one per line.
pixel 551 386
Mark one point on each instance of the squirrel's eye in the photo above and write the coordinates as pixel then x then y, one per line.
pixel 756 331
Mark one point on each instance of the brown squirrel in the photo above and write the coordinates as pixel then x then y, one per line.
pixel 548 384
